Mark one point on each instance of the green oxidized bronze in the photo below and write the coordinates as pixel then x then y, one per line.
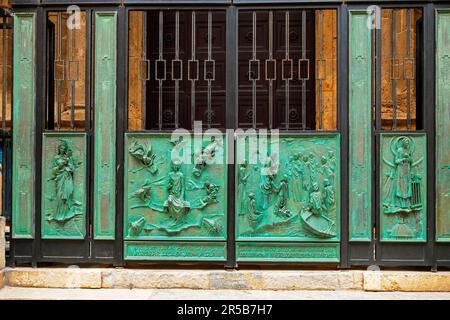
pixel 403 187
pixel 172 198
pixel 64 166
pixel 292 192
pixel 63 185
pixel 144 154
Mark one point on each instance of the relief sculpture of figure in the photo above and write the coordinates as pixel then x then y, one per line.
pixel 144 192
pixel 63 168
pixel 267 181
pixel 254 216
pixel 306 183
pixel 205 156
pixel 327 170
pixel 242 183
pixel 297 176
pixel 328 195
pixel 313 170
pixel 212 192
pixel 281 203
pixel 315 214
pixel 175 204
pixel 401 185
pixel 145 155
pixel 402 194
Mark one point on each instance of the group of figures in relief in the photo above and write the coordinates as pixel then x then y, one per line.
pixel 402 188
pixel 301 188
pixel 177 209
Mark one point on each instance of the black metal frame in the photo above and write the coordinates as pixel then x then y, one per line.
pixel 352 253
pixel 5 145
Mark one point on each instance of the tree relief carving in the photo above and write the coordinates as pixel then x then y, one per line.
pixel 175 198
pixel 290 193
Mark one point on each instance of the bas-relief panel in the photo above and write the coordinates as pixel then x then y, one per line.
pixel 64 186
pixel 291 191
pixel 403 184
pixel 167 199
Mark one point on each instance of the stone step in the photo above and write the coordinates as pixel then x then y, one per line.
pixel 119 278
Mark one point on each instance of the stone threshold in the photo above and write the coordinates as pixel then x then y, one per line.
pixel 119 278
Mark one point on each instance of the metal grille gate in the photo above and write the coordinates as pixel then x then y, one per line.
pixel 346 181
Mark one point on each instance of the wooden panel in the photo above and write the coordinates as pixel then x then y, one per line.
pixel 443 125
pixel 360 127
pixel 24 93
pixel 105 125
pixel 403 187
pixel 63 186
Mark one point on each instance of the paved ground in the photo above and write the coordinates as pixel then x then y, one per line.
pixel 181 294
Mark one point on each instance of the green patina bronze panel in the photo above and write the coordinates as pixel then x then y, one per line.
pixel 359 127
pixel 443 125
pixel 175 187
pixel 24 93
pixel 171 250
pixel 288 188
pixel 105 125
pixel 63 186
pixel 287 252
pixel 403 186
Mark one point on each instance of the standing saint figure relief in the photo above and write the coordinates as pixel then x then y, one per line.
pixel 175 204
pixel 402 192
pixel 402 187
pixel 63 168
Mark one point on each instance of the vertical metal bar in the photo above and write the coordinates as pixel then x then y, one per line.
pixel 41 25
pixel 377 64
pixel 253 79
pixel 177 57
pixel 429 95
pixel 4 73
pixel 343 125
pixel 88 125
pixel 320 80
pixel 393 76
pixel 271 79
pixel 408 80
pixel 375 243
pixel 303 80
pixel 72 82
pixel 122 91
pixel 160 81
pixel 231 123
pixel 209 59
pixel 193 42
pixel 58 82
pixel 286 39
pixel 144 81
